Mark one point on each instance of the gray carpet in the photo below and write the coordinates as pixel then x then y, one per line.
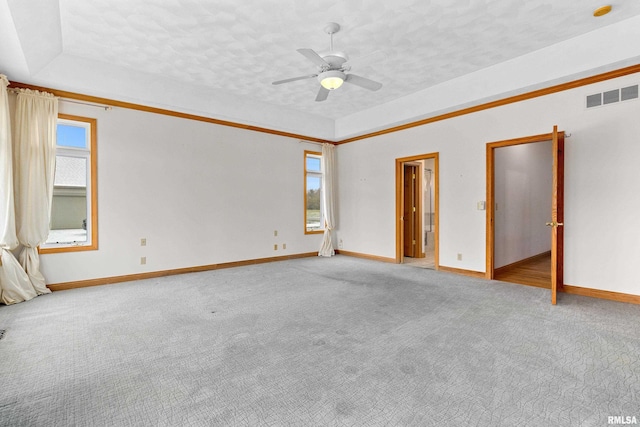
pixel 318 342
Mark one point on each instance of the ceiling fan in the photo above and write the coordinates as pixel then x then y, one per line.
pixel 332 69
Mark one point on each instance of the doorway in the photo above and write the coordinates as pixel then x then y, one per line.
pixel 521 197
pixel 417 211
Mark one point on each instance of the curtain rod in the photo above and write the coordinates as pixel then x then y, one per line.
pixel 73 101
pixel 90 104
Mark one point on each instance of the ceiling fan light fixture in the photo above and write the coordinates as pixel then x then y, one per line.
pixel 332 79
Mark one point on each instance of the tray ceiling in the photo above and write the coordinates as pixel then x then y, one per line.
pixel 218 58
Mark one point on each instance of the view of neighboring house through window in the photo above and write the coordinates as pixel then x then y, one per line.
pixel 73 213
pixel 313 192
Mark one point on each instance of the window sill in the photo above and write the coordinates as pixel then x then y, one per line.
pixel 73 248
pixel 314 232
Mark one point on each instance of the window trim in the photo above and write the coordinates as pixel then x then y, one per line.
pixel 93 190
pixel 315 154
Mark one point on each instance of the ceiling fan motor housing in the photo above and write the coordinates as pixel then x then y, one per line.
pixel 335 59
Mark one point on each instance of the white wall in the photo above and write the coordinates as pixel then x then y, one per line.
pixel 523 191
pixel 199 193
pixel 602 234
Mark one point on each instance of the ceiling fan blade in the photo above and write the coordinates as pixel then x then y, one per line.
pixel 363 82
pixel 312 56
pixel 323 93
pixel 293 79
pixel 375 57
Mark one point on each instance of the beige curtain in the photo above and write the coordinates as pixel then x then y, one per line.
pixel 34 157
pixel 328 198
pixel 15 285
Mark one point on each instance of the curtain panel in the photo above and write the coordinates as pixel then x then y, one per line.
pixel 328 198
pixel 34 157
pixel 15 285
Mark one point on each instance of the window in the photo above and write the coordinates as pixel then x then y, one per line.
pixel 313 192
pixel 74 208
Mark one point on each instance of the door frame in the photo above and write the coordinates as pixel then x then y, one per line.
pixel 490 205
pixel 400 200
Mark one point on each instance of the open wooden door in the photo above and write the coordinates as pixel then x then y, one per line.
pixel 412 210
pixel 557 205
pixel 557 215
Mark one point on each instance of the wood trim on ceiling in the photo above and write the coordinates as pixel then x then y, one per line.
pixel 497 103
pixel 155 110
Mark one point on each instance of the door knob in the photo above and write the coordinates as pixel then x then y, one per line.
pixel 553 224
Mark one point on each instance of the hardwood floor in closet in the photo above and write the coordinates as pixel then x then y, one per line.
pixel 533 272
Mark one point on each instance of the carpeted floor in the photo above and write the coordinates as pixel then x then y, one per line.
pixel 318 342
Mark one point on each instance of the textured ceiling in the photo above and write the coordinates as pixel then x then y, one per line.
pixel 238 47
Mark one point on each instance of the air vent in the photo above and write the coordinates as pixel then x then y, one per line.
pixel 630 92
pixel 594 100
pixel 612 96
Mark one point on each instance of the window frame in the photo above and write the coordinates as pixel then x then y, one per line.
pixel 308 153
pixel 92 189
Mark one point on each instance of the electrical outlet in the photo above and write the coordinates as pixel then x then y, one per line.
pixel 275 233
pixel 459 257
pixel 143 260
pixel 340 244
pixel 275 247
pixel 143 242
pixel 284 246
